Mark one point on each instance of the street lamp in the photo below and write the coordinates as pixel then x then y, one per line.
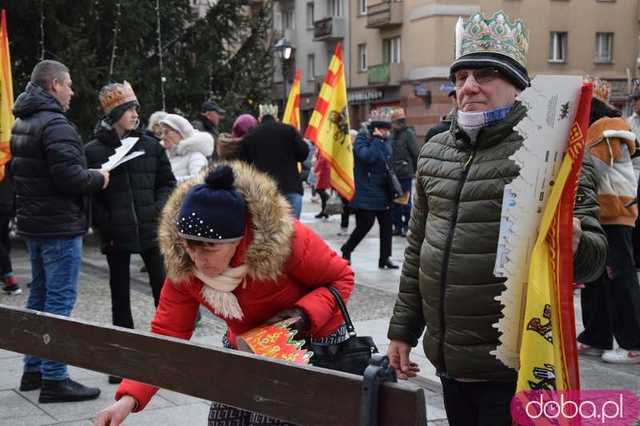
pixel 283 50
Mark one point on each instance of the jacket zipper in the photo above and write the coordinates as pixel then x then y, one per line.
pixel 445 263
pixel 133 209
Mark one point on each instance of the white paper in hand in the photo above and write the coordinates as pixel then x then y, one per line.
pixel 120 156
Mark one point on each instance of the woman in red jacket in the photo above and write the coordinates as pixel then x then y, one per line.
pixel 227 241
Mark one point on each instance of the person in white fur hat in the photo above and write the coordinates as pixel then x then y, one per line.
pixel 187 147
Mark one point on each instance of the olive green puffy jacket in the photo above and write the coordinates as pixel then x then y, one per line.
pixel 447 281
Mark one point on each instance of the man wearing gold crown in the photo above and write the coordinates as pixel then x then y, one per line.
pixel 447 283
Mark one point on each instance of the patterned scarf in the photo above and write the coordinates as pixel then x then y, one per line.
pixel 217 291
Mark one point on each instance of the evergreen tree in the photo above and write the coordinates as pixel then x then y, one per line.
pixel 226 55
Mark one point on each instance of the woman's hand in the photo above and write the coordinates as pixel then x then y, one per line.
pixel 301 325
pixel 115 414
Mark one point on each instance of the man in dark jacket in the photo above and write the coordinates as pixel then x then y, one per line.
pixel 52 186
pixel 447 282
pixel 405 158
pixel 126 214
pixel 276 148
pixel 209 120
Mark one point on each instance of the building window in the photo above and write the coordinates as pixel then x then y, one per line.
pixel 288 19
pixel 391 50
pixel 362 57
pixel 335 8
pixel 310 17
pixel 363 7
pixel 603 52
pixel 311 67
pixel 558 46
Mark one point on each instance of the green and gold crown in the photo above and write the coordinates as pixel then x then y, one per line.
pixel 268 109
pixel 497 34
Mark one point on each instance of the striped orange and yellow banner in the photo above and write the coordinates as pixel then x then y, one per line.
pixel 291 114
pixel 329 127
pixel 6 97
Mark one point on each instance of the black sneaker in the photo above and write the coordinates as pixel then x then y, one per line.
pixel 65 390
pixel 12 290
pixel 31 381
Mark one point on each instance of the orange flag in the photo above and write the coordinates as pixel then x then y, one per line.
pixel 292 111
pixel 6 97
pixel 329 127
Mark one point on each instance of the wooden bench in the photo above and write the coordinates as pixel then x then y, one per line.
pixel 302 395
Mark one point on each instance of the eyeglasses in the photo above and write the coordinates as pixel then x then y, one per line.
pixel 481 76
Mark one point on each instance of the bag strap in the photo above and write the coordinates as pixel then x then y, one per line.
pixel 343 308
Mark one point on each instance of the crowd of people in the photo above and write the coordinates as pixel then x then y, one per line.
pixel 214 216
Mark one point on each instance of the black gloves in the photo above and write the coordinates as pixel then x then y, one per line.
pixel 301 325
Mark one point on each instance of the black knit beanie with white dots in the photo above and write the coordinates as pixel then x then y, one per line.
pixel 213 212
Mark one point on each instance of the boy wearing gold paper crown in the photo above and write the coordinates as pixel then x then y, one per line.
pixel 447 283
pixel 126 214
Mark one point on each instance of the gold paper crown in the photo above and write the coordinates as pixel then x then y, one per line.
pixel 268 109
pixel 116 94
pixel 497 34
pixel 381 115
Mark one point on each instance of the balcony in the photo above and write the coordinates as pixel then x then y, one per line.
pixel 385 15
pixel 331 28
pixel 384 75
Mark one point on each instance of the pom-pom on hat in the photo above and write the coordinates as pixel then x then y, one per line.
pixel 213 212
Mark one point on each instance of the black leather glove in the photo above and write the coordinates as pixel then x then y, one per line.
pixel 301 325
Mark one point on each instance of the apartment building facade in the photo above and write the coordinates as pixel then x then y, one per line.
pixel 404 47
pixel 398 51
pixel 313 28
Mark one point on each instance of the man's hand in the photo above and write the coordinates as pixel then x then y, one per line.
pixel 301 325
pixel 115 414
pixel 398 353
pixel 105 175
pixel 577 233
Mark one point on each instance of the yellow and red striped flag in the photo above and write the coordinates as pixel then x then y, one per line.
pixel 6 97
pixel 292 111
pixel 329 127
pixel 548 357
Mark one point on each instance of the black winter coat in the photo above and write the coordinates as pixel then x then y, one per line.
pixel 276 149
pixel 405 152
pixel 50 175
pixel 126 213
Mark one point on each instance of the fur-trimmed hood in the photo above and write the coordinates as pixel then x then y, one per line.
pixel 198 142
pixel 266 245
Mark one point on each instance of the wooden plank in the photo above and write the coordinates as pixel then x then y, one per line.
pixel 299 394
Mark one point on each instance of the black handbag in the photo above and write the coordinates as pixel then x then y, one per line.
pixel 352 355
pixel 394 189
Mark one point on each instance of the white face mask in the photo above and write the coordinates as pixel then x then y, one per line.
pixel 472 122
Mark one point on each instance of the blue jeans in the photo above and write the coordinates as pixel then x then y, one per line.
pixel 295 200
pixel 55 267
